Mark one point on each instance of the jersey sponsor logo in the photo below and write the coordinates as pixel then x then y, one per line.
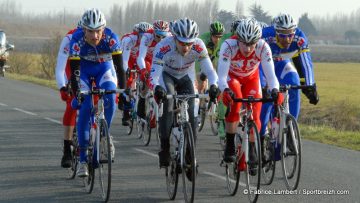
pixel 301 42
pixel 76 49
pixel 163 51
pixel 112 43
pixel 197 48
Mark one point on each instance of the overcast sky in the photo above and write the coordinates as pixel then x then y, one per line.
pixel 295 8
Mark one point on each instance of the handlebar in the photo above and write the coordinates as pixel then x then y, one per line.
pixel 252 100
pixel 284 88
pixel 101 91
pixel 187 96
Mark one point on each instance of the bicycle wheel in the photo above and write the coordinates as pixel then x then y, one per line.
pixel 268 160
pixel 140 127
pixel 291 156
pixel 89 180
pixel 189 164
pixel 74 156
pixel 253 165
pixel 105 161
pixel 172 177
pixel 147 135
pixel 131 125
pixel 214 120
pixel 202 115
pixel 232 170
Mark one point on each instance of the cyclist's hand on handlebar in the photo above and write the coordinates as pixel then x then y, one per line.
pixel 277 96
pixel 64 93
pixel 160 94
pixel 311 94
pixel 227 96
pixel 214 92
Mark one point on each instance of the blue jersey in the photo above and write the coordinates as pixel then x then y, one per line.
pixel 108 45
pixel 298 47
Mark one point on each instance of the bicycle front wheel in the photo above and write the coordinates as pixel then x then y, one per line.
pixel 268 159
pixel 172 178
pixel 202 116
pixel 291 153
pixel 232 170
pixel 105 161
pixel 74 156
pixel 189 164
pixel 147 135
pixel 253 165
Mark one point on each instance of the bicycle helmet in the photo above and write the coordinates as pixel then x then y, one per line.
pixel 93 19
pixel 217 28
pixel 234 25
pixel 161 27
pixel 284 22
pixel 136 27
pixel 79 24
pixel 248 31
pixel 263 25
pixel 186 30
pixel 144 27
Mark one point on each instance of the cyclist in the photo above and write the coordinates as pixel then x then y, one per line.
pixel 238 71
pixel 144 60
pixel 288 42
pixel 94 52
pixel 174 69
pixel 62 73
pixel 130 45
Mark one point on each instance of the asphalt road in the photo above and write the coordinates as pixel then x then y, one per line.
pixel 31 149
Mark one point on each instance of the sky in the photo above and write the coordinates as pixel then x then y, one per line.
pixel 274 7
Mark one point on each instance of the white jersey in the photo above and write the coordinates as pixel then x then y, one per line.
pixel 232 62
pixel 146 48
pixel 166 58
pixel 129 48
pixel 63 54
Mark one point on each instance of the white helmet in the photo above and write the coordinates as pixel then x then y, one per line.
pixel 93 19
pixel 144 27
pixel 136 27
pixel 186 30
pixel 248 31
pixel 284 22
pixel 263 24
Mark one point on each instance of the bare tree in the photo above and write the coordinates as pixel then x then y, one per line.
pixel 49 55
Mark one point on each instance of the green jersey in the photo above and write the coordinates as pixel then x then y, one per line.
pixel 213 50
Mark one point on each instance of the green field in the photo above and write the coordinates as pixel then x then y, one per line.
pixel 334 120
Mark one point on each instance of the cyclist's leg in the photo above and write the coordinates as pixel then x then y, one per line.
pixel 166 120
pixel 69 120
pixel 290 76
pixel 232 121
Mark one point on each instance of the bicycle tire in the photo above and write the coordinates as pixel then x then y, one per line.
pixel 295 171
pixel 202 115
pixel 105 161
pixel 130 127
pixel 146 137
pixel 232 170
pixel 172 178
pixel 268 162
pixel 74 156
pixel 253 181
pixel 188 169
pixel 90 179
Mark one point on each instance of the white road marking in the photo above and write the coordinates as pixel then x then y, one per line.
pixel 27 112
pixel 146 152
pixel 52 120
pixel 2 104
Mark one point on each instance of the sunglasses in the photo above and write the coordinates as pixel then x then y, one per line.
pixel 285 35
pixel 159 36
pixel 185 43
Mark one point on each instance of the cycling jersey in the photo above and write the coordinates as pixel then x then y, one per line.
pixel 130 46
pixel 241 74
pixel 298 47
pixel 95 62
pixel 166 58
pixel 62 74
pixel 213 50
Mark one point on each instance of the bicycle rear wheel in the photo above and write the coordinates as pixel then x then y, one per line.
pixel 232 170
pixel 202 115
pixel 147 135
pixel 130 127
pixel 189 164
pixel 105 161
pixel 253 166
pixel 89 180
pixel 172 178
pixel 291 158
pixel 268 161
pixel 74 156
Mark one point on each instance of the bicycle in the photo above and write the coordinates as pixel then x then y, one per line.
pixel 282 142
pixel 182 149
pixel 247 130
pixel 99 150
pixel 152 119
